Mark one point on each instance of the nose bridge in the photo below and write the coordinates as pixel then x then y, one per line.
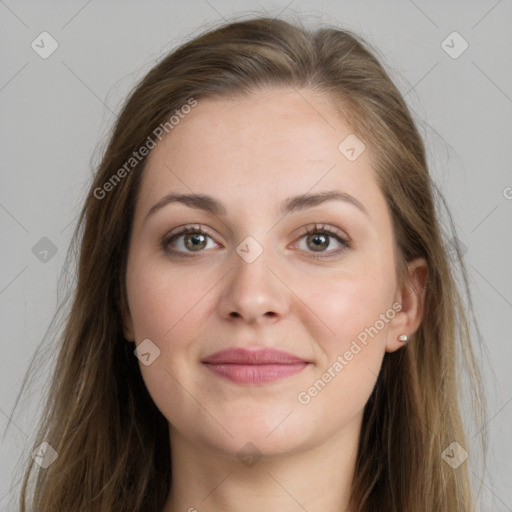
pixel 253 291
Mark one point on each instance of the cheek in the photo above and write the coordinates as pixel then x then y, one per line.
pixel 349 304
pixel 355 311
pixel 164 308
pixel 160 300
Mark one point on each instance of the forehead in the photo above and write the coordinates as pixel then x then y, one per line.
pixel 258 150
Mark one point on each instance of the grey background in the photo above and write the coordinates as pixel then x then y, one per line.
pixel 56 112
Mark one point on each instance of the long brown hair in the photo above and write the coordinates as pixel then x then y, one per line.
pixel 112 441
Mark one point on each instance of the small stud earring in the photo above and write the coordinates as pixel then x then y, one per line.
pixel 403 337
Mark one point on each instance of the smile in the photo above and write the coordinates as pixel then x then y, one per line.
pixel 254 367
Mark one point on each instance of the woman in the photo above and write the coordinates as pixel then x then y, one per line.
pixel 265 318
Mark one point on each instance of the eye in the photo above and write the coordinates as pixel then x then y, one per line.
pixel 194 239
pixel 187 240
pixel 318 239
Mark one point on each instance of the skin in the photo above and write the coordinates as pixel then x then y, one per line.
pixel 251 155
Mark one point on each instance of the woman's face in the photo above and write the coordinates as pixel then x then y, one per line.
pixel 249 276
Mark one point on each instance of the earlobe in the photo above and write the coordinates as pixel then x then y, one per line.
pixel 126 321
pixel 128 331
pixel 411 296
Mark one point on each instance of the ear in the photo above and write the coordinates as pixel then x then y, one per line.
pixel 411 295
pixel 126 320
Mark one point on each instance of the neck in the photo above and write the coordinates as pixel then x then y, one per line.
pixel 317 478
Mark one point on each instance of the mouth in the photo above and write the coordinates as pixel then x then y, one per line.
pixel 253 367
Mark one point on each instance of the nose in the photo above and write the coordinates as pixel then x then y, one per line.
pixel 253 292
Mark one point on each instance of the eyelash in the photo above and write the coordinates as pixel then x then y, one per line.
pixel 317 229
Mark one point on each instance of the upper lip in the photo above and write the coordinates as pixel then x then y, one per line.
pixel 258 356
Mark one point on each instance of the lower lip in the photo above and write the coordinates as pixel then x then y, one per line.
pixel 255 373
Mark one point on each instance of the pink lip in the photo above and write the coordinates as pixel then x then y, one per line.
pixel 244 366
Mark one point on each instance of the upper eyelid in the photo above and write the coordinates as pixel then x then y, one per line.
pixel 183 230
pixel 328 229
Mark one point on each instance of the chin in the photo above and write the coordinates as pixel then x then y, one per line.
pixel 267 435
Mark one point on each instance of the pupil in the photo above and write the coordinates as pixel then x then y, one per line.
pixel 317 238
pixel 196 239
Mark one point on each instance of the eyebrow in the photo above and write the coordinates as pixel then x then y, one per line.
pixel 295 203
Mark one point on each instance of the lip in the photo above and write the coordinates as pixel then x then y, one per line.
pixel 254 367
